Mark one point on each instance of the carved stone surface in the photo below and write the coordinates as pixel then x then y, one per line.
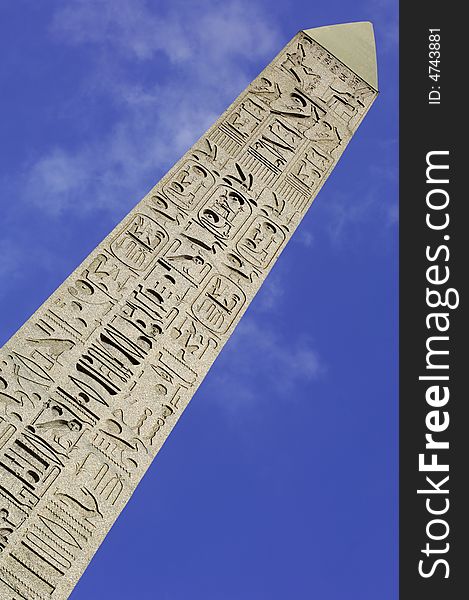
pixel 93 383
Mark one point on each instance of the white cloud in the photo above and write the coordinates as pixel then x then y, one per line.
pixel 374 200
pixel 54 177
pixel 287 364
pixel 177 29
pixel 270 297
pixel 105 172
pixel 127 25
pixel 348 215
pixel 304 238
pixel 210 54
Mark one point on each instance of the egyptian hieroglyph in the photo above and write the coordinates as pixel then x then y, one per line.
pixel 93 383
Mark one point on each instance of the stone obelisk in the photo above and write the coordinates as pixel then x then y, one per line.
pixel 93 383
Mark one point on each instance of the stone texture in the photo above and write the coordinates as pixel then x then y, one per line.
pixel 93 383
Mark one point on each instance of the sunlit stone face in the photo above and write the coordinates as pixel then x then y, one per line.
pixel 93 383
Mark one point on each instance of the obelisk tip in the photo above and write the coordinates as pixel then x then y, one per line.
pixel 353 44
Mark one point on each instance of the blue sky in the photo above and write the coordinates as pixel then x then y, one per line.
pixel 280 480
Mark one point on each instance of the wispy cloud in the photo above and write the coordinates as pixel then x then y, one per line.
pixel 270 298
pixel 304 238
pixel 372 202
pixel 177 29
pixel 287 363
pixel 210 56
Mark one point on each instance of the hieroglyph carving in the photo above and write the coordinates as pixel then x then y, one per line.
pixel 93 383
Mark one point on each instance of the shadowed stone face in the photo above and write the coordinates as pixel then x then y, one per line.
pixel 93 383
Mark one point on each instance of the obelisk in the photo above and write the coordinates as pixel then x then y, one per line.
pixel 95 380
